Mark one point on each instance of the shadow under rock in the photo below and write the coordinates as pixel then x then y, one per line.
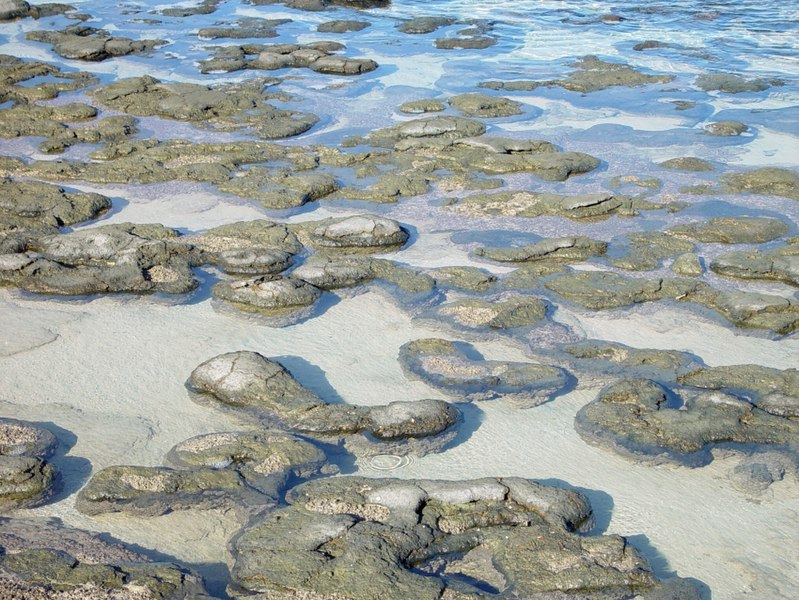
pixel 601 504
pixel 660 565
pixel 73 471
pixel 472 417
pixel 310 376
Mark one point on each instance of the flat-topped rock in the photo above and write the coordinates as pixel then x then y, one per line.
pixel 781 264
pixel 501 312
pixel 420 25
pixel 646 250
pixel 443 365
pixel 733 230
pixel 26 478
pixel 282 300
pixel 769 181
pixel 484 106
pixel 563 249
pixel 358 232
pixel 341 26
pixel 726 128
pixel 536 204
pixel 432 539
pixel 618 359
pixel 81 42
pixel 730 83
pixel 687 163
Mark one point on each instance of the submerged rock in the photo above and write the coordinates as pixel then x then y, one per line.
pixel 642 419
pixel 756 473
pixel 432 539
pixel 726 128
pixel 107 259
pixel 769 181
pixel 44 559
pixel 43 80
pixel 340 26
pixel 484 106
pixel 503 312
pixel 732 84
pixel 687 163
pixel 781 264
pixel 264 388
pixel 465 42
pixel 733 230
pixel 244 29
pixel 82 42
pixel 26 478
pixel 419 25
pixel 645 250
pixel 564 249
pixel 536 204
pixel 446 367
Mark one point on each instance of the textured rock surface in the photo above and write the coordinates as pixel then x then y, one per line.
pixel 357 539
pixel 484 106
pixel 503 312
pixel 26 478
pixel 443 365
pixel 563 249
pixel 733 230
pixel 282 300
pixel 82 42
pixel 781 264
pixel 359 232
pixel 769 181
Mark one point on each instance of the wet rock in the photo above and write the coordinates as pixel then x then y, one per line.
pixel 82 42
pixel 592 75
pixel 43 81
pixel 360 232
pixel 206 7
pixel 14 9
pixel 749 309
pixel 317 57
pixel 687 265
pixel 432 539
pixel 552 166
pixel 726 128
pixel 281 189
pixel 465 42
pixel 390 187
pixel 247 235
pixel 504 312
pixel 419 25
pixel 756 473
pixel 43 121
pixel 651 44
pixel 443 365
pixel 339 26
pixel 244 29
pixel 44 559
pixel 108 130
pixel 112 258
pixel 769 181
pixel 26 478
pixel 687 163
pixel 781 264
pixel 33 205
pixel 564 249
pixel 732 84
pixel 421 106
pixel 266 389
pixel 733 230
pixel 645 250
pixel 536 204
pixel 283 301
pixel 530 276
pixel 484 106
pixel 599 290
pixel 228 106
pixel 618 359
pixel 440 128
pixel 463 278
pixel 641 419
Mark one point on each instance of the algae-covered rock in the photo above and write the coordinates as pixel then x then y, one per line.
pixel 33 205
pixel 687 163
pixel 244 29
pixel 42 81
pixel 434 539
pixel 645 250
pixel 445 366
pixel 359 232
pixel 14 9
pixel 484 106
pixel 732 84
pixel 318 57
pixel 618 359
pixel 341 26
pixel 781 264
pixel 726 128
pixel 420 25
pixel 503 312
pixel 282 300
pixel 602 290
pixel 438 127
pixel 591 75
pixel 687 265
pixel 563 249
pixel 266 389
pixel 280 189
pixel 463 278
pixel 26 478
pixel 733 230
pixel 465 42
pixel 20 438
pixel 769 181
pixel 749 309
pixel 258 233
pixel 644 420
pixel 536 204
pixel 107 259
pixel 82 42
pixel 415 107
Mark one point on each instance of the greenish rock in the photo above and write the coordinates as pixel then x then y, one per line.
pixel 120 258
pixel 600 290
pixel 244 235
pixel 42 81
pixel 227 106
pixel 769 181
pixel 281 189
pixel 484 106
pixel 206 7
pixel 465 42
pixel 781 264
pixel 244 29
pixel 341 26
pixel 433 539
pixel 444 366
pixel 564 249
pixel 415 107
pixel 24 481
pixel 38 206
pixel 504 312
pixel 687 163
pixel 282 301
pixel 733 230
pixel 11 10
pixel 44 121
pixel 367 233
pixel 463 278
pixel 81 42
pixel 264 388
pixel 732 84
pixel 777 314
pixel 645 250
pixel 618 359
pixel 591 75
pixel 536 204
pixel 687 265
pixel 726 128
pixel 317 57
pixel 420 25
pixel 446 128
pixel 641 419
pixel 389 188
pixel 20 438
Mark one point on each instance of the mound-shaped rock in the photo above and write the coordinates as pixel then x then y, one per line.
pixel 769 181
pixel 82 42
pixel 432 539
pixel 501 312
pixel 733 230
pixel 536 204
pixel 618 359
pixel 443 365
pixel 340 26
pixel 368 233
pixel 732 84
pixel 484 106
pixel 563 249
pixel 781 264
pixel 282 300
pixel 687 163
pixel 26 478
pixel 644 420
pixel 645 250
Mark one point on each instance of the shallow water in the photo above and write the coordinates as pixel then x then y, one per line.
pixel 111 370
